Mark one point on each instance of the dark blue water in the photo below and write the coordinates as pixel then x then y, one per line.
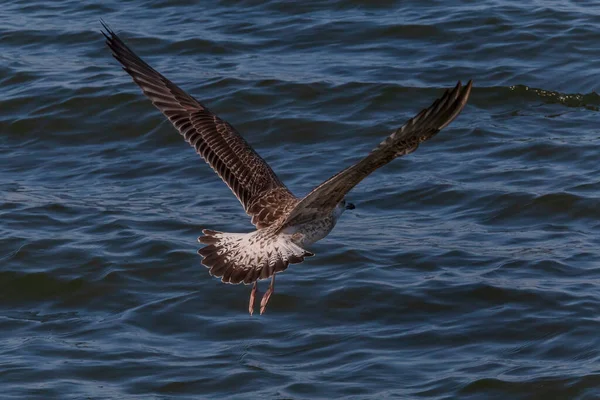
pixel 469 269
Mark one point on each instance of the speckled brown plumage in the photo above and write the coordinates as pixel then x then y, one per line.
pixel 426 124
pixel 237 258
pixel 248 176
pixel 285 224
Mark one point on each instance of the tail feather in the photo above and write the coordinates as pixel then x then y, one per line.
pixel 248 257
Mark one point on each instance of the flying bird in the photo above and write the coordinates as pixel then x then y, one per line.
pixel 285 224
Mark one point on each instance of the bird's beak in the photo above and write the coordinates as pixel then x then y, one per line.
pixel 350 206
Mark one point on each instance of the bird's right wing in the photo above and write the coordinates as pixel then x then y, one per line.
pixel 248 176
pixel 319 203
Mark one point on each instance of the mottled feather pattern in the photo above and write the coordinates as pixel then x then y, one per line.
pixel 248 257
pixel 319 203
pixel 271 207
pixel 284 223
pixel 216 141
pixel 428 122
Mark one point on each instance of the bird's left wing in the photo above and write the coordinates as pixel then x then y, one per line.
pixel 248 176
pixel 405 140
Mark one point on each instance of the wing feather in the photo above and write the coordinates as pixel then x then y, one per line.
pixel 248 176
pixel 404 140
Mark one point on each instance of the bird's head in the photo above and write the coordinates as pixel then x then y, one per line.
pixel 343 206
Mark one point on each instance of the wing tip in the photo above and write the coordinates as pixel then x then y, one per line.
pixel 467 89
pixel 108 33
pixel 460 95
pixel 464 95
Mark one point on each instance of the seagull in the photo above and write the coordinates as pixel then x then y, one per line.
pixel 285 224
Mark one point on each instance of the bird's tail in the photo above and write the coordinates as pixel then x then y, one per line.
pixel 248 257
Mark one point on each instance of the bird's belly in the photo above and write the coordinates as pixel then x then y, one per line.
pixel 315 230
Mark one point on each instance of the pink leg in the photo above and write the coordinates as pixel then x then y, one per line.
pixel 267 296
pixel 252 297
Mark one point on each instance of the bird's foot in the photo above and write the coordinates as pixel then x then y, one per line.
pixel 265 300
pixel 267 296
pixel 252 297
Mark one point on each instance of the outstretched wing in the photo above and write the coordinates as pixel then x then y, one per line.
pixel 405 140
pixel 248 176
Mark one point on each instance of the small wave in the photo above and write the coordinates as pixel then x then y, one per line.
pixel 591 100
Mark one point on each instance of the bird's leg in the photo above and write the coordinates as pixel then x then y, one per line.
pixel 267 296
pixel 252 297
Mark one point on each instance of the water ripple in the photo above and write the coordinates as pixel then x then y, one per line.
pixel 467 270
